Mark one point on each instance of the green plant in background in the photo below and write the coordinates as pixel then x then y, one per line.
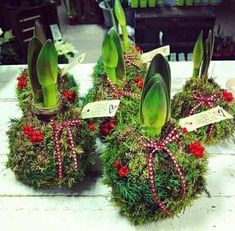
pixel 134 3
pixel 152 3
pixel 198 51
pixel 120 15
pixel 155 99
pixel 180 2
pixel 143 3
pixel 112 56
pixel 65 50
pixel 70 7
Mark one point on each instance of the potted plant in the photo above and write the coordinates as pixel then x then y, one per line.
pixel 71 9
pixel 44 151
pixel 154 167
pixel 202 93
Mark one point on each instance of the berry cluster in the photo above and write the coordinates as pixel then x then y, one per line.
pixel 22 81
pixel 35 136
pixel 123 170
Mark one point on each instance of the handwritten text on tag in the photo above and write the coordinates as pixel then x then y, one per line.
pixel 202 119
pixel 148 56
pixel 79 59
pixel 105 108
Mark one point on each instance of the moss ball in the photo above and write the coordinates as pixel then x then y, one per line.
pixel 126 172
pixel 184 101
pixel 32 142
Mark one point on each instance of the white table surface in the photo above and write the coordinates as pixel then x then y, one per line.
pixel 87 207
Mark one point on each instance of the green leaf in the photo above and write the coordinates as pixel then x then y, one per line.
pixel 120 70
pixel 119 13
pixel 39 33
pixel 154 109
pixel 47 64
pixel 198 52
pixel 34 49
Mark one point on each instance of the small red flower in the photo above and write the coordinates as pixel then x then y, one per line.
pixel 196 149
pixel 227 96
pixel 69 95
pixel 22 81
pixel 117 164
pixel 123 171
pixel 107 126
pixel 35 136
pixel 139 81
pixel 185 130
pixel 91 126
pixel 138 49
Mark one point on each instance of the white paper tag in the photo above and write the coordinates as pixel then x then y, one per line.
pixel 79 59
pixel 55 31
pixel 202 119
pixel 104 108
pixel 148 56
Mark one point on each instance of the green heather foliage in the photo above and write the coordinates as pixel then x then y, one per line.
pixel 132 193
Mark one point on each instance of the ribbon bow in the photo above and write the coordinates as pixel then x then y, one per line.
pixel 58 130
pixel 119 93
pixel 203 100
pixel 207 101
pixel 153 147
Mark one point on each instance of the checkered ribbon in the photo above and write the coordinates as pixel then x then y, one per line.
pixel 58 130
pixel 209 101
pixel 153 147
pixel 119 93
pixel 129 60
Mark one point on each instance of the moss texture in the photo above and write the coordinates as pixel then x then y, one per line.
pixel 132 193
pixel 34 163
pixel 183 102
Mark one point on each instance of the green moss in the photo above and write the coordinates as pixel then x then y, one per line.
pixel 132 193
pixel 183 102
pixel 35 163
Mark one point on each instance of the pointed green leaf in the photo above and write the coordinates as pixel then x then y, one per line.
pixel 47 64
pixel 120 70
pixel 39 33
pixel 154 109
pixel 34 49
pixel 119 13
pixel 198 52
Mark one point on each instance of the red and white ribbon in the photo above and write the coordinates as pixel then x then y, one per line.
pixel 203 100
pixel 119 93
pixel 58 130
pixel 153 147
pixel 130 59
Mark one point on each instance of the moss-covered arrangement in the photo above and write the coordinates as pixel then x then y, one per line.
pixel 155 168
pixel 201 93
pixel 49 143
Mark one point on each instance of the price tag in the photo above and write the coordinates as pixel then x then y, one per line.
pixel 55 31
pixel 147 57
pixel 202 119
pixel 79 59
pixel 104 108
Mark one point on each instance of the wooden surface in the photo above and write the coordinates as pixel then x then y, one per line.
pixel 87 206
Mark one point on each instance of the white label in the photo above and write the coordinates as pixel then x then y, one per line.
pixel 202 119
pixel 79 59
pixel 55 31
pixel 104 108
pixel 147 57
